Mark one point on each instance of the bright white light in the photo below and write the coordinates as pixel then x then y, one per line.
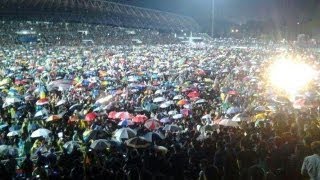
pixel 290 76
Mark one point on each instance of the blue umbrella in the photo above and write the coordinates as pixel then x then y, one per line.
pixel 14 128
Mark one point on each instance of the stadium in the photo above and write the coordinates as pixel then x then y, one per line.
pixel 124 90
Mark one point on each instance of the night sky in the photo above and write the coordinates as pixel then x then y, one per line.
pixel 236 11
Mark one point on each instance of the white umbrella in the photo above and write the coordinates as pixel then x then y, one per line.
pixel 233 110
pixel 188 106
pixel 159 99
pixel 62 101
pixel 240 117
pixel 124 133
pixel 159 91
pixel 166 104
pixel 41 113
pixel 41 132
pixel 104 100
pixel 173 112
pixel 201 101
pixel 13 133
pixel 177 116
pixel 178 97
pixel 228 122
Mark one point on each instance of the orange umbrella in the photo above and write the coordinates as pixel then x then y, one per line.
pixel 182 102
pixel 54 118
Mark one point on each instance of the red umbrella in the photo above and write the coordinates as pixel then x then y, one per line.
pixel 90 116
pixel 233 92
pixel 112 114
pixel 139 118
pixel 152 124
pixel 193 94
pixel 123 115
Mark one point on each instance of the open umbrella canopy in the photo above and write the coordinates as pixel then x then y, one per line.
pixel 61 102
pixel 152 124
pixel 193 94
pixel 42 112
pixel 165 120
pixel 125 122
pixel 41 132
pixel 139 118
pixel 177 116
pixel 6 150
pixel 42 102
pixel 137 142
pixel 207 128
pixel 13 133
pixel 178 97
pixel 172 128
pixel 95 134
pixel 54 118
pixel 152 136
pixel 201 101
pixel 70 146
pixel 182 102
pixel 124 133
pixel 91 116
pixel 233 110
pixel 123 115
pixel 228 123
pixel 100 144
pixel 159 99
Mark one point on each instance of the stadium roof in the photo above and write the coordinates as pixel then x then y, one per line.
pixel 96 11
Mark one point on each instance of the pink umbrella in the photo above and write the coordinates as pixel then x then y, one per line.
pixel 123 115
pixel 152 124
pixel 112 114
pixel 139 118
pixel 90 116
pixel 193 94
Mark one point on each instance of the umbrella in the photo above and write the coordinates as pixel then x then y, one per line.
pixel 125 122
pixel 151 136
pixel 178 97
pixel 100 144
pixel 207 116
pixel 172 128
pixel 152 124
pixel 62 101
pixel 6 150
pixel 159 99
pixel 161 149
pixel 54 118
pixel 193 94
pixel 228 122
pixel 112 114
pixel 61 84
pixel 104 100
pixel 173 112
pixel 182 102
pixel 13 133
pixel 150 107
pixel 139 118
pixel 165 120
pixel 124 133
pixel 95 134
pixel 70 146
pixel 233 110
pixel 206 128
pixel 90 116
pixel 177 116
pixel 42 102
pixel 75 106
pixel 41 132
pixel 240 117
pixel 137 142
pixel 165 104
pixel 42 112
pixel 3 126
pixel 159 91
pixel 123 115
pixel 12 100
pixel 201 101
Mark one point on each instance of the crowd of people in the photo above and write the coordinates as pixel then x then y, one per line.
pixel 153 111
